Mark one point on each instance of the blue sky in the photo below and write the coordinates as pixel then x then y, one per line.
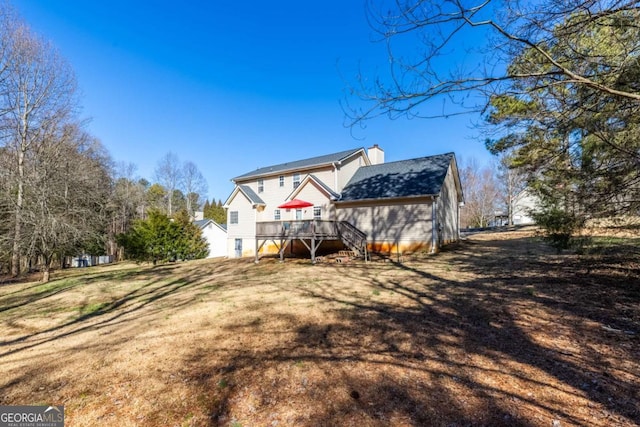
pixel 231 86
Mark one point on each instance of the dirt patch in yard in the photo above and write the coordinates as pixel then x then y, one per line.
pixel 498 330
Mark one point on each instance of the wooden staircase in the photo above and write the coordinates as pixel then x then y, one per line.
pixel 353 238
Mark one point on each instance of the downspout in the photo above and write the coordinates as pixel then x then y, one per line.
pixel 333 210
pixel 434 226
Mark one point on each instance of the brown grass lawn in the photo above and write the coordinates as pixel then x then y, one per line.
pixel 498 330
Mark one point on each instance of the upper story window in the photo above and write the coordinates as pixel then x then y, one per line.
pixel 296 180
pixel 260 185
pixel 233 217
pixel 281 180
pixel 276 215
pixel 317 212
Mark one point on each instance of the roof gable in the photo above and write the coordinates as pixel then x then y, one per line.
pixel 321 185
pixel 203 223
pixel 251 195
pixel 312 162
pixel 407 178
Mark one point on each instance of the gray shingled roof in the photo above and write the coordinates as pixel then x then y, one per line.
pixel 202 222
pixel 299 164
pixel 253 197
pixel 325 186
pixel 406 178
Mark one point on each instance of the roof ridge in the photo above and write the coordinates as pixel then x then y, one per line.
pixel 301 163
pixel 409 160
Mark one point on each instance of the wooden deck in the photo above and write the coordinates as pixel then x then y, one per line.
pixel 300 229
pixel 310 232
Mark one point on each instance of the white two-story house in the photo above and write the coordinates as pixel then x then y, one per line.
pixel 345 198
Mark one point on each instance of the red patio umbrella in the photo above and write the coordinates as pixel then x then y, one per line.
pixel 295 204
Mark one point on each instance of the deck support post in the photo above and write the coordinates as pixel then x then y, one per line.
pixel 257 249
pixel 281 250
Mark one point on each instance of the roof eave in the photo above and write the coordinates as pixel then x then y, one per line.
pixel 379 199
pixel 297 169
pixel 281 172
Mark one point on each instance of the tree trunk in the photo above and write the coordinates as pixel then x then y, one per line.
pixel 17 231
pixel 46 268
pixel 46 273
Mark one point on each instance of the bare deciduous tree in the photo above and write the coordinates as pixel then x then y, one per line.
pixel 168 174
pixel 461 50
pixel 66 211
pixel 512 181
pixel 194 186
pixel 127 202
pixel 481 194
pixel 37 94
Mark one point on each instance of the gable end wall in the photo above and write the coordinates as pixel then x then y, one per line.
pixel 447 207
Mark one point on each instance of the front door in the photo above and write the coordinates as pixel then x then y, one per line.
pixel 238 248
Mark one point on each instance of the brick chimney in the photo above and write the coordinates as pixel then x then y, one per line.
pixel 375 154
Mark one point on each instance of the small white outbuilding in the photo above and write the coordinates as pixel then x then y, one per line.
pixel 215 235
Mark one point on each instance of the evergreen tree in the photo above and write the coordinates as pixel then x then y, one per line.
pixel 215 211
pixel 160 239
pixel 579 144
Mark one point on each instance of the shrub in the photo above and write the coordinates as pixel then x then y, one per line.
pixel 558 226
pixel 160 239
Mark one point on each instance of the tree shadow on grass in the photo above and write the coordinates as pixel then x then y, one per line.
pixel 427 348
pixel 159 284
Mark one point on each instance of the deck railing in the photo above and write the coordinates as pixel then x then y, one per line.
pixel 297 229
pixel 353 237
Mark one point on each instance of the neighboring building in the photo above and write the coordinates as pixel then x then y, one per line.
pixel 215 235
pixel 87 260
pixel 523 205
pixel 351 198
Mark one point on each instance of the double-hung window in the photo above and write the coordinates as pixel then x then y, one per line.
pixel 260 185
pixel 296 180
pixel 317 212
pixel 276 215
pixel 281 180
pixel 233 217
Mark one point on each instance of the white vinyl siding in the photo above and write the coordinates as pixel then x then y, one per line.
pixel 245 228
pixel 401 224
pixel 311 193
pixel 346 171
pixel 274 194
pixel 447 210
pixel 216 239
